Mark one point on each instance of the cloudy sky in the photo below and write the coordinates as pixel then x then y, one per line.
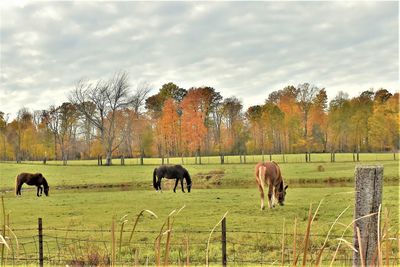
pixel 245 49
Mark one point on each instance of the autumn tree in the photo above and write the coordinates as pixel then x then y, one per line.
pixel 339 122
pixel 384 122
pixel 318 121
pixel 273 117
pixel 193 122
pixel 209 103
pixel 16 134
pixel 216 123
pixel 154 104
pixel 287 134
pixel 253 116
pixel 232 108
pixel 361 111
pixel 170 127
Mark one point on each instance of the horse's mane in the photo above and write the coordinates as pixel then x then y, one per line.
pixel 278 170
pixel 45 184
pixel 186 175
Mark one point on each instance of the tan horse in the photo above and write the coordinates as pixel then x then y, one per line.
pixel 269 173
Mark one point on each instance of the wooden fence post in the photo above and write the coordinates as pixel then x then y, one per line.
pixel 368 198
pixel 223 241
pixel 40 242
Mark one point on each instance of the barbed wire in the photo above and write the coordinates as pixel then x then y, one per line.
pixel 177 231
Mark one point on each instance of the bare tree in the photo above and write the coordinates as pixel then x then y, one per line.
pixel 139 98
pixel 3 130
pixel 306 95
pixel 62 122
pixel 87 129
pixel 108 97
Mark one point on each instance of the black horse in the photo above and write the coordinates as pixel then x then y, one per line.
pixel 36 179
pixel 171 172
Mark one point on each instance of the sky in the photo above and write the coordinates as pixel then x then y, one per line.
pixel 242 49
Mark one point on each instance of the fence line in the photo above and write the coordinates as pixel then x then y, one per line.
pixel 73 250
pixel 235 159
pixel 196 231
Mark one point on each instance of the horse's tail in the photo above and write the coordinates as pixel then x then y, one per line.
pixel 16 185
pixel 260 174
pixel 155 179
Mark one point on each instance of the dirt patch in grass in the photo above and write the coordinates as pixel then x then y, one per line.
pixel 211 178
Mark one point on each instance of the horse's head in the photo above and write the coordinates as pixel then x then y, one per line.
pixel 280 195
pixel 188 181
pixel 46 191
pixel 46 187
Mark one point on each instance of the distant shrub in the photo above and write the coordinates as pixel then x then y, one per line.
pixel 321 168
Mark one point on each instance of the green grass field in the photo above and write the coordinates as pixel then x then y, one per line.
pixel 254 236
pixel 233 175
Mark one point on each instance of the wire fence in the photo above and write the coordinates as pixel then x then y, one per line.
pixel 82 247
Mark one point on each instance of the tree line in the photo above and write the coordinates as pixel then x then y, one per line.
pixel 109 118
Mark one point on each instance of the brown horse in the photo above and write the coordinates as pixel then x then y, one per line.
pixel 269 173
pixel 36 179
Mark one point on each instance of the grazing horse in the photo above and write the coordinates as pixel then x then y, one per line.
pixel 269 173
pixel 171 172
pixel 36 179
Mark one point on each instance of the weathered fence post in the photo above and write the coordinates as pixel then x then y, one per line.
pixel 40 242
pixel 142 156
pixel 368 198
pixel 223 241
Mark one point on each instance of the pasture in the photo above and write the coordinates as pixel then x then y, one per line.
pixel 84 200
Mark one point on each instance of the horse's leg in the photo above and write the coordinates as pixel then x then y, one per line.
pixel 37 193
pixel 19 189
pixel 260 176
pixel 270 195
pixel 262 196
pixel 41 190
pixel 159 184
pixel 183 190
pixel 176 184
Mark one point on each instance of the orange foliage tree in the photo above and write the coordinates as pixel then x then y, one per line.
pixel 170 127
pixel 193 118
